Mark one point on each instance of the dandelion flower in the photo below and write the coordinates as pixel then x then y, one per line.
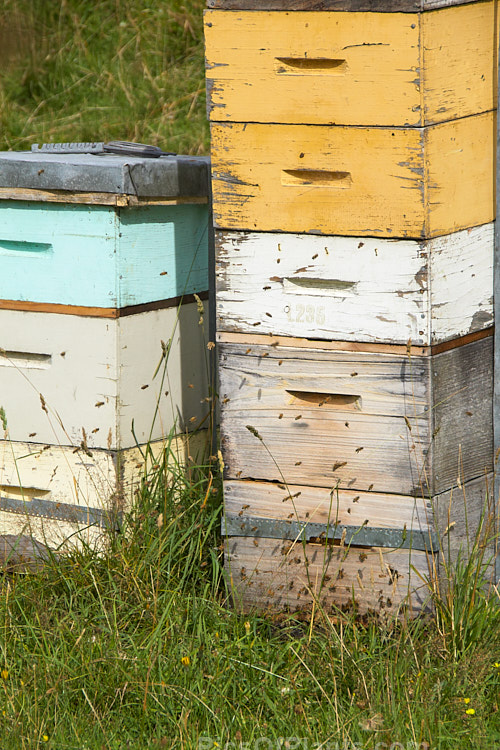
pixel 45 737
pixel 186 661
pixel 470 711
pixel 466 700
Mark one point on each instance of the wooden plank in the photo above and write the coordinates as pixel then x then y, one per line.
pixel 465 518
pixel 93 199
pixel 357 421
pixel 72 363
pixel 99 312
pixel 96 375
pixel 21 554
pixel 59 474
pixel 267 574
pixel 162 253
pixel 380 6
pixel 249 340
pixel 457 84
pixel 97 479
pixel 461 283
pixel 335 68
pixel 351 346
pixel 313 68
pixel 318 505
pixel 100 258
pixel 57 535
pixel 459 163
pixel 356 181
pixel 356 289
pixel 328 419
pixel 182 396
pixel 49 307
pixel 462 416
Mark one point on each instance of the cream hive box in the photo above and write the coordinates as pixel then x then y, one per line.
pixel 103 286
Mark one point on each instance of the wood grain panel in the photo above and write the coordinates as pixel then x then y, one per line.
pixel 330 419
pixel 465 517
pixel 356 289
pixel 269 573
pixel 336 68
pixel 272 575
pixel 462 414
pixel 357 421
pixel 318 505
pixel 313 68
pixel 355 181
pixel 92 199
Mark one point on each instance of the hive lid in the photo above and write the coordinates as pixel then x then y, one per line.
pixel 164 177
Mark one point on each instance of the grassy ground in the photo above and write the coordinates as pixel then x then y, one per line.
pixel 79 71
pixel 140 647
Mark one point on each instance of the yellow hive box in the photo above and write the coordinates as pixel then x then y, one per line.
pixel 393 69
pixel 382 182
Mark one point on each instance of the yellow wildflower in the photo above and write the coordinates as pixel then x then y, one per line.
pixel 4 673
pixel 466 700
pixel 497 665
pixel 45 737
pixel 186 661
pixel 471 711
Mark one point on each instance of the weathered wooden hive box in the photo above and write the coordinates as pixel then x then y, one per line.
pixel 101 347
pixel 353 172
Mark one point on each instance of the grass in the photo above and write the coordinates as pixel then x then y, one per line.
pixel 140 647
pixel 113 70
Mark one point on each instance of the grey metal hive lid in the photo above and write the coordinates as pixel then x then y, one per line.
pixel 164 177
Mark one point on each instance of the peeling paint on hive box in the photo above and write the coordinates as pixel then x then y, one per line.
pixel 408 182
pixel 356 289
pixel 337 68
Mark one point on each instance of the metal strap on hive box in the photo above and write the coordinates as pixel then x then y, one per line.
pixel 37 508
pixel 363 536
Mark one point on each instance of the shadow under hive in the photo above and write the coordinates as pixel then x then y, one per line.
pixel 100 257
pixel 352 172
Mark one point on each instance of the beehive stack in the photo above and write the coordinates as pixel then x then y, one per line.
pixel 99 259
pixel 353 172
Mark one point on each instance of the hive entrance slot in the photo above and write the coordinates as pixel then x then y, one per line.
pixel 311 283
pixel 335 400
pixel 315 178
pixel 20 247
pixel 22 493
pixel 24 359
pixel 313 65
